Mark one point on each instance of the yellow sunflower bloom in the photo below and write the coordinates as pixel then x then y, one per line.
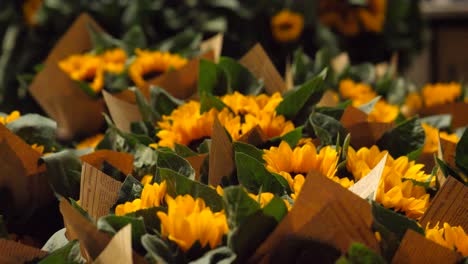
pixel 151 196
pixel 10 118
pixel 348 19
pixel 265 198
pixel 90 142
pixel 189 220
pixel 452 237
pixel 431 145
pixel 413 102
pixel 441 93
pixel 86 68
pixel 287 26
pixel 152 63
pixel 114 60
pixel 38 148
pixel 299 161
pixel 147 179
pixel 396 190
pixel 30 9
pixel 186 124
pixel 383 112
pixel 354 91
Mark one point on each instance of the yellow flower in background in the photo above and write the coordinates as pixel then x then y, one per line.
pixel 10 118
pixel 30 9
pixel 265 198
pixel 349 19
pixel 38 148
pixel 114 60
pixel 441 93
pixel 414 102
pixel 431 145
pixel 153 63
pixel 186 125
pixel 90 142
pixel 452 237
pixel 151 196
pixel 396 190
pixel 292 164
pixel 189 220
pixel 383 112
pixel 87 68
pixel 287 26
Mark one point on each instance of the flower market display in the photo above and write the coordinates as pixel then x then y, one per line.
pixel 159 141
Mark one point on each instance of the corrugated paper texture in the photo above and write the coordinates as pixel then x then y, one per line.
pixel 60 96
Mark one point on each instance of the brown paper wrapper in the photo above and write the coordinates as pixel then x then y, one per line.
pixel 323 203
pixel 221 155
pixel 60 96
pixel 122 112
pixel 449 205
pixel 257 61
pixel 92 241
pixel 12 252
pixel 458 111
pixel 197 162
pixel 214 44
pixel 119 249
pixel 120 160
pixel 21 174
pixel 415 248
pixel 254 137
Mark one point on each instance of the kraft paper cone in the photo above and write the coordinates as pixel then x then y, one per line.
pixel 122 112
pixel 21 174
pixel 458 111
pixel 92 241
pixel 449 205
pixel 317 194
pixel 121 160
pixel 254 137
pixel 415 248
pixel 257 61
pixel 61 97
pixel 221 155
pixel 197 162
pixel 12 252
pixel 214 44
pixel 181 83
pixel 328 99
pixel 119 249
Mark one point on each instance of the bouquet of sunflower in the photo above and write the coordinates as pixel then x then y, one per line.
pixel 251 171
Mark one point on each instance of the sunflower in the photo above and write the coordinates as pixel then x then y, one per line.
pixel 265 198
pixel 441 93
pixel 189 220
pixel 186 125
pixel 396 189
pixel 293 164
pixel 431 145
pixel 452 237
pixel 30 9
pixel 287 26
pixel 151 196
pixel 349 20
pixel 152 63
pixel 114 60
pixel 383 112
pixel 10 118
pixel 90 142
pixel 38 148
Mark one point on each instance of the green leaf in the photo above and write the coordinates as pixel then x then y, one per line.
pixel 249 150
pixel 112 224
pixel 134 38
pixel 184 151
pixel 395 222
pixel 148 114
pixel 146 160
pixel 131 189
pixel 219 255
pixel 162 102
pixel 150 217
pixel 405 138
pixel 172 161
pixel 178 184
pixel 327 129
pixel 209 101
pixel 253 175
pixel 69 254
pixel 438 121
pixel 212 79
pixel 461 152
pixel 360 254
pixel 294 101
pixel 276 208
pixel 238 205
pixel 369 106
pixel 157 248
pixel 64 172
pixel 102 41
pixel 292 137
pixel 239 78
pixel 183 43
pixel 35 129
